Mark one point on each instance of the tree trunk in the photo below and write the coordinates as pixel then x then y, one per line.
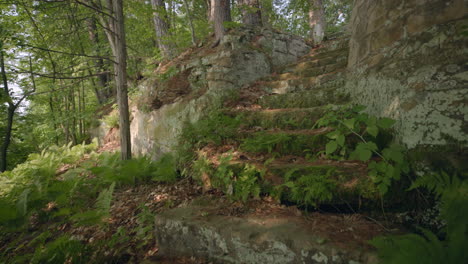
pixel 120 71
pixel 209 10
pixel 221 13
pixel 162 27
pixel 7 138
pixel 317 21
pixel 10 114
pixel 189 18
pixel 104 92
pixel 251 14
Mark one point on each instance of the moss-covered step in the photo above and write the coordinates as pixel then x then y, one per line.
pixel 285 142
pixel 319 70
pixel 313 183
pixel 323 182
pixel 305 99
pixel 324 53
pixel 309 62
pixel 295 82
pixel 284 118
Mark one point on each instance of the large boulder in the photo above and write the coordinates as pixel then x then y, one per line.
pixel 186 88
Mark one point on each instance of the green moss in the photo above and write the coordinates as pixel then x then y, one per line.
pixel 284 119
pixel 304 99
pixel 283 143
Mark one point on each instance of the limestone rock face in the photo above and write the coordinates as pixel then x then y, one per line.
pixel 408 61
pixel 198 80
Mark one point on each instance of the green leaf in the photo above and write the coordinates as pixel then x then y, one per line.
pixel 340 140
pixel 334 134
pixel 363 151
pixel 349 123
pixel 364 154
pixel 372 130
pixel 358 108
pixel 331 147
pixel 393 153
pixel 386 122
pixel 383 188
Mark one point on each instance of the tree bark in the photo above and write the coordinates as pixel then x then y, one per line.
pixel 104 92
pixel 161 27
pixel 221 13
pixel 120 71
pixel 12 106
pixel 251 14
pixel 189 18
pixel 317 21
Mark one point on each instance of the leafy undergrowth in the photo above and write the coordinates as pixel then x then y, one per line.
pixel 74 205
pixel 346 149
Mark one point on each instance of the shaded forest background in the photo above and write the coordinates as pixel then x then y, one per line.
pixel 58 63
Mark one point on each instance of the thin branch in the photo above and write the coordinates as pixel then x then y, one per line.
pixel 71 54
pixel 62 77
pixel 97 9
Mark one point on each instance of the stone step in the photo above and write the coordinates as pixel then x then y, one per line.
pixel 284 143
pixel 310 63
pixel 305 132
pixel 334 44
pixel 287 118
pixel 265 233
pixel 298 83
pixel 349 179
pixel 320 70
pixel 305 99
pixel 318 54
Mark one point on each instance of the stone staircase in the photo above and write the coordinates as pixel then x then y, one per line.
pixel 278 114
pixel 278 136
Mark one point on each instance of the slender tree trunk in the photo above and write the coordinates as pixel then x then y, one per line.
pixel 317 21
pixel 162 27
pixel 10 114
pixel 120 70
pixel 251 14
pixel 189 18
pixel 104 92
pixel 73 110
pixel 80 112
pixel 221 13
pixel 7 138
pixel 12 106
pixel 209 10
pixel 83 108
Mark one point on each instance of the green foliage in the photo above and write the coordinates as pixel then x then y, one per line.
pixel 264 142
pixel 359 136
pixel 145 229
pixel 282 143
pixel 33 184
pixel 63 249
pixel 101 209
pixel 112 119
pixel 247 183
pixel 112 169
pixel 309 189
pixel 215 128
pixel 426 247
pixel 238 183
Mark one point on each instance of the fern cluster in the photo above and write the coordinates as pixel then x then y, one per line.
pixel 238 183
pixel 359 136
pixel 59 185
pixel 308 189
pixel 427 247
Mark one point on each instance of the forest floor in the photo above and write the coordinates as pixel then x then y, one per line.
pixel 139 244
